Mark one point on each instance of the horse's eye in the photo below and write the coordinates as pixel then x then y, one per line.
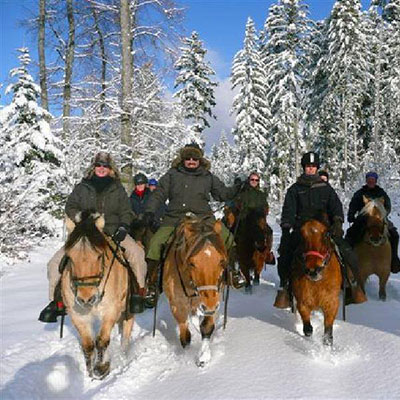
pixel 99 257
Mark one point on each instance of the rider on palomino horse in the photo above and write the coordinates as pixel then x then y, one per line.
pixel 307 197
pixel 354 234
pixel 188 186
pixel 101 191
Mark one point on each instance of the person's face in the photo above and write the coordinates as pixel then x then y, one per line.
pixel 152 187
pixel 102 169
pixel 310 169
pixel 191 162
pixel 371 182
pixel 324 178
pixel 254 180
pixel 140 187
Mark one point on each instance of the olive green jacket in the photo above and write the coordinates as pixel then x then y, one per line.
pixel 113 202
pixel 251 198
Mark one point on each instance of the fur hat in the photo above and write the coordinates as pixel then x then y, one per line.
pixel 103 158
pixel 191 150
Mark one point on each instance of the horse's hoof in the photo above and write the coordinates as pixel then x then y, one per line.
pixel 100 371
pixel 327 340
pixel 382 296
pixel 248 289
pixel 204 356
pixel 186 341
pixel 308 330
pixel 256 281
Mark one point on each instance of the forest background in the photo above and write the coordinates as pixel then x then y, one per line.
pixel 127 76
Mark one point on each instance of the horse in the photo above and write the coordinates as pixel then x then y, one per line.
pixel 254 243
pixel 316 277
pixel 193 278
pixel 95 283
pixel 374 251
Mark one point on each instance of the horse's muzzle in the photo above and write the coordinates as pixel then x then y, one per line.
pixel 207 312
pixel 89 303
pixel 315 274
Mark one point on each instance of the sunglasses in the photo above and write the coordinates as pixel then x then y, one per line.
pixel 101 164
pixel 254 180
pixel 192 158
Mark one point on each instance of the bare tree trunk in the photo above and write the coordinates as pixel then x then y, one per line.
pixel 127 74
pixel 42 59
pixel 103 59
pixel 69 60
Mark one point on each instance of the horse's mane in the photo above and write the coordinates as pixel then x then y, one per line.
pixel 202 231
pixel 367 209
pixel 320 216
pixel 86 230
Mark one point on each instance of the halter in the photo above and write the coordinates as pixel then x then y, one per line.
pixel 384 238
pixel 324 257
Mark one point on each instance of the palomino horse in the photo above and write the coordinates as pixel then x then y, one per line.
pixel 193 278
pixel 374 251
pixel 95 283
pixel 316 277
pixel 254 243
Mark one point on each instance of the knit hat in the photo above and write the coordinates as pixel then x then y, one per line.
pixel 153 182
pixel 140 179
pixel 371 174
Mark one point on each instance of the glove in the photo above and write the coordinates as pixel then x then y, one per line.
pixel 337 229
pixel 148 218
pixel 351 218
pixel 120 234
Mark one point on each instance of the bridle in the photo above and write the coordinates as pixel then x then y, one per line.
pixel 325 257
pixel 383 239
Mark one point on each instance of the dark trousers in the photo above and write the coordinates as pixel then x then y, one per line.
pixel 287 248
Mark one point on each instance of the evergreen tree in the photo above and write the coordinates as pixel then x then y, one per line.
pixel 249 105
pixel 29 175
pixel 197 89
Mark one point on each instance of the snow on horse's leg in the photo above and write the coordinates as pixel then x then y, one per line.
pixel 204 356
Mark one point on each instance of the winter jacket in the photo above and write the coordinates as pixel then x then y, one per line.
pixel 138 204
pixel 307 197
pixel 357 202
pixel 113 202
pixel 188 191
pixel 251 198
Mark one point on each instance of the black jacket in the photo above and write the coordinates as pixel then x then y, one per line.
pixel 138 203
pixel 188 191
pixel 307 197
pixel 357 202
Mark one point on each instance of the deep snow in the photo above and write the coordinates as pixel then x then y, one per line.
pixel 261 355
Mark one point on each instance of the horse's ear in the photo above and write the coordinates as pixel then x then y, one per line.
pixel 218 227
pixel 366 200
pixel 70 225
pixel 99 221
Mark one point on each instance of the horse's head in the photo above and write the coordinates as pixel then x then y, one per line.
pixel 206 258
pixel 256 221
pixel 86 248
pixel 230 216
pixel 315 247
pixel 375 214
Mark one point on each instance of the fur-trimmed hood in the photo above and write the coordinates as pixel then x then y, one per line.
pixel 178 161
pixel 105 158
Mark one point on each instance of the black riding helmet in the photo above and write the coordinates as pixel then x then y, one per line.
pixel 140 179
pixel 310 158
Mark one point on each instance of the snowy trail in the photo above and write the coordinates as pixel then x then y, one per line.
pixel 262 354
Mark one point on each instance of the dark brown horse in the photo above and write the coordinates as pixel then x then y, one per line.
pixel 193 278
pixel 254 243
pixel 316 277
pixel 95 285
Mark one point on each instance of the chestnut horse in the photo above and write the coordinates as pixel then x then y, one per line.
pixel 316 277
pixel 95 284
pixel 254 243
pixel 374 251
pixel 193 278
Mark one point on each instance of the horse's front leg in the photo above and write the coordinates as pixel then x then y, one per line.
pixel 330 313
pixel 207 327
pixel 305 313
pixel 383 278
pixel 181 313
pixel 102 366
pixel 125 329
pixel 84 328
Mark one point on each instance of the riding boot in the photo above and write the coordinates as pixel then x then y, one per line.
pixel 55 308
pixel 152 282
pixel 394 243
pixel 236 277
pixel 282 299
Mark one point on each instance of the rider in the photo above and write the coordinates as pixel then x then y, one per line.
pixel 140 194
pixel 372 191
pixel 324 175
pixel 187 185
pixel 307 197
pixel 153 183
pixel 102 191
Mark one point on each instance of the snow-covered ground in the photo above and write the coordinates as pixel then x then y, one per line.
pixel 261 355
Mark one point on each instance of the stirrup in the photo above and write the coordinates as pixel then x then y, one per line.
pixel 237 279
pixel 150 299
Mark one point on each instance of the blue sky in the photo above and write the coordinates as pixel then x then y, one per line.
pixel 220 24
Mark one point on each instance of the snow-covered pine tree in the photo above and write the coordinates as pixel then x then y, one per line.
pixel 287 33
pixel 30 177
pixel 249 105
pixel 196 94
pixel 345 67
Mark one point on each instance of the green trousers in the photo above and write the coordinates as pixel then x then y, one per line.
pixel 165 233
